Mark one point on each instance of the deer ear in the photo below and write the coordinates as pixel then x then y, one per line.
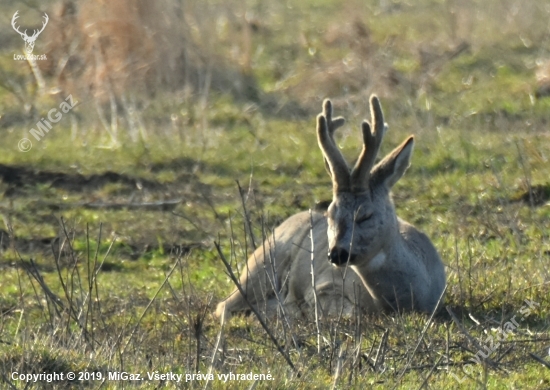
pixel 388 171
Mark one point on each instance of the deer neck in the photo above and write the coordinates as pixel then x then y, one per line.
pixel 386 265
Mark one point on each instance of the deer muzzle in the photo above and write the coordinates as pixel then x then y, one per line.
pixel 339 256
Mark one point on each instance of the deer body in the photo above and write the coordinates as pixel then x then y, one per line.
pixel 376 261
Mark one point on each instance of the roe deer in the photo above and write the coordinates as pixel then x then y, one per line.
pixel 396 267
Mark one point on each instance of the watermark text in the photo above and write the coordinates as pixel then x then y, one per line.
pixel 44 125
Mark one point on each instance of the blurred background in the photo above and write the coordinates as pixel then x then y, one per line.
pixel 147 71
pixel 178 99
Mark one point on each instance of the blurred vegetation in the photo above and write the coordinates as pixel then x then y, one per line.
pixel 106 248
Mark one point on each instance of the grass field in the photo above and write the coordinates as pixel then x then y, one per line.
pixel 108 254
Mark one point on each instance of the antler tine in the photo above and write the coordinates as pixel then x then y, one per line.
pixel 35 31
pixel 334 161
pixel 13 19
pixel 47 19
pixel 371 144
pixel 332 125
pixel 335 123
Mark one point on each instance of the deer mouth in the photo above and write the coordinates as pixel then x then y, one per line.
pixel 339 257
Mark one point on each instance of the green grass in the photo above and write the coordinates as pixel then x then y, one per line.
pixel 481 146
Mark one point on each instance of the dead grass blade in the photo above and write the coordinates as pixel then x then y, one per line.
pixel 253 309
pixel 540 360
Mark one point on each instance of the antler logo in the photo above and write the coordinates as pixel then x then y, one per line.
pixel 29 41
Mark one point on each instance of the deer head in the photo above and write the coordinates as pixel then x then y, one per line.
pixel 29 41
pixel 361 217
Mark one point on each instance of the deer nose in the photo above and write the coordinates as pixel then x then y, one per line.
pixel 338 256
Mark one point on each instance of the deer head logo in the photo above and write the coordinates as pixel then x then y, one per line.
pixel 29 41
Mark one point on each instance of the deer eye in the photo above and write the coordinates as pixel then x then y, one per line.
pixel 363 218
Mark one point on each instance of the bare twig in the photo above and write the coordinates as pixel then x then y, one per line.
pixel 148 306
pixel 339 366
pixel 540 360
pixel 216 347
pixel 252 308
pixel 8 381
pixel 313 286
pixel 164 205
pixel 275 286
pixel 247 217
pixel 431 372
pixel 421 336
pixel 380 352
pixel 470 337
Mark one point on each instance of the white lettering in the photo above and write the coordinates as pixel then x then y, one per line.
pixel 58 115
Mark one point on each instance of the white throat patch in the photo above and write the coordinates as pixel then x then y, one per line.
pixel 377 262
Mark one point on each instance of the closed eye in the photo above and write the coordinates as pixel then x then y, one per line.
pixel 363 218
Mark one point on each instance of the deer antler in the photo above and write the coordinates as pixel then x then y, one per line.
pixel 36 32
pixel 371 144
pixel 334 160
pixel 13 19
pixel 29 41
pixel 335 123
pixel 332 124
